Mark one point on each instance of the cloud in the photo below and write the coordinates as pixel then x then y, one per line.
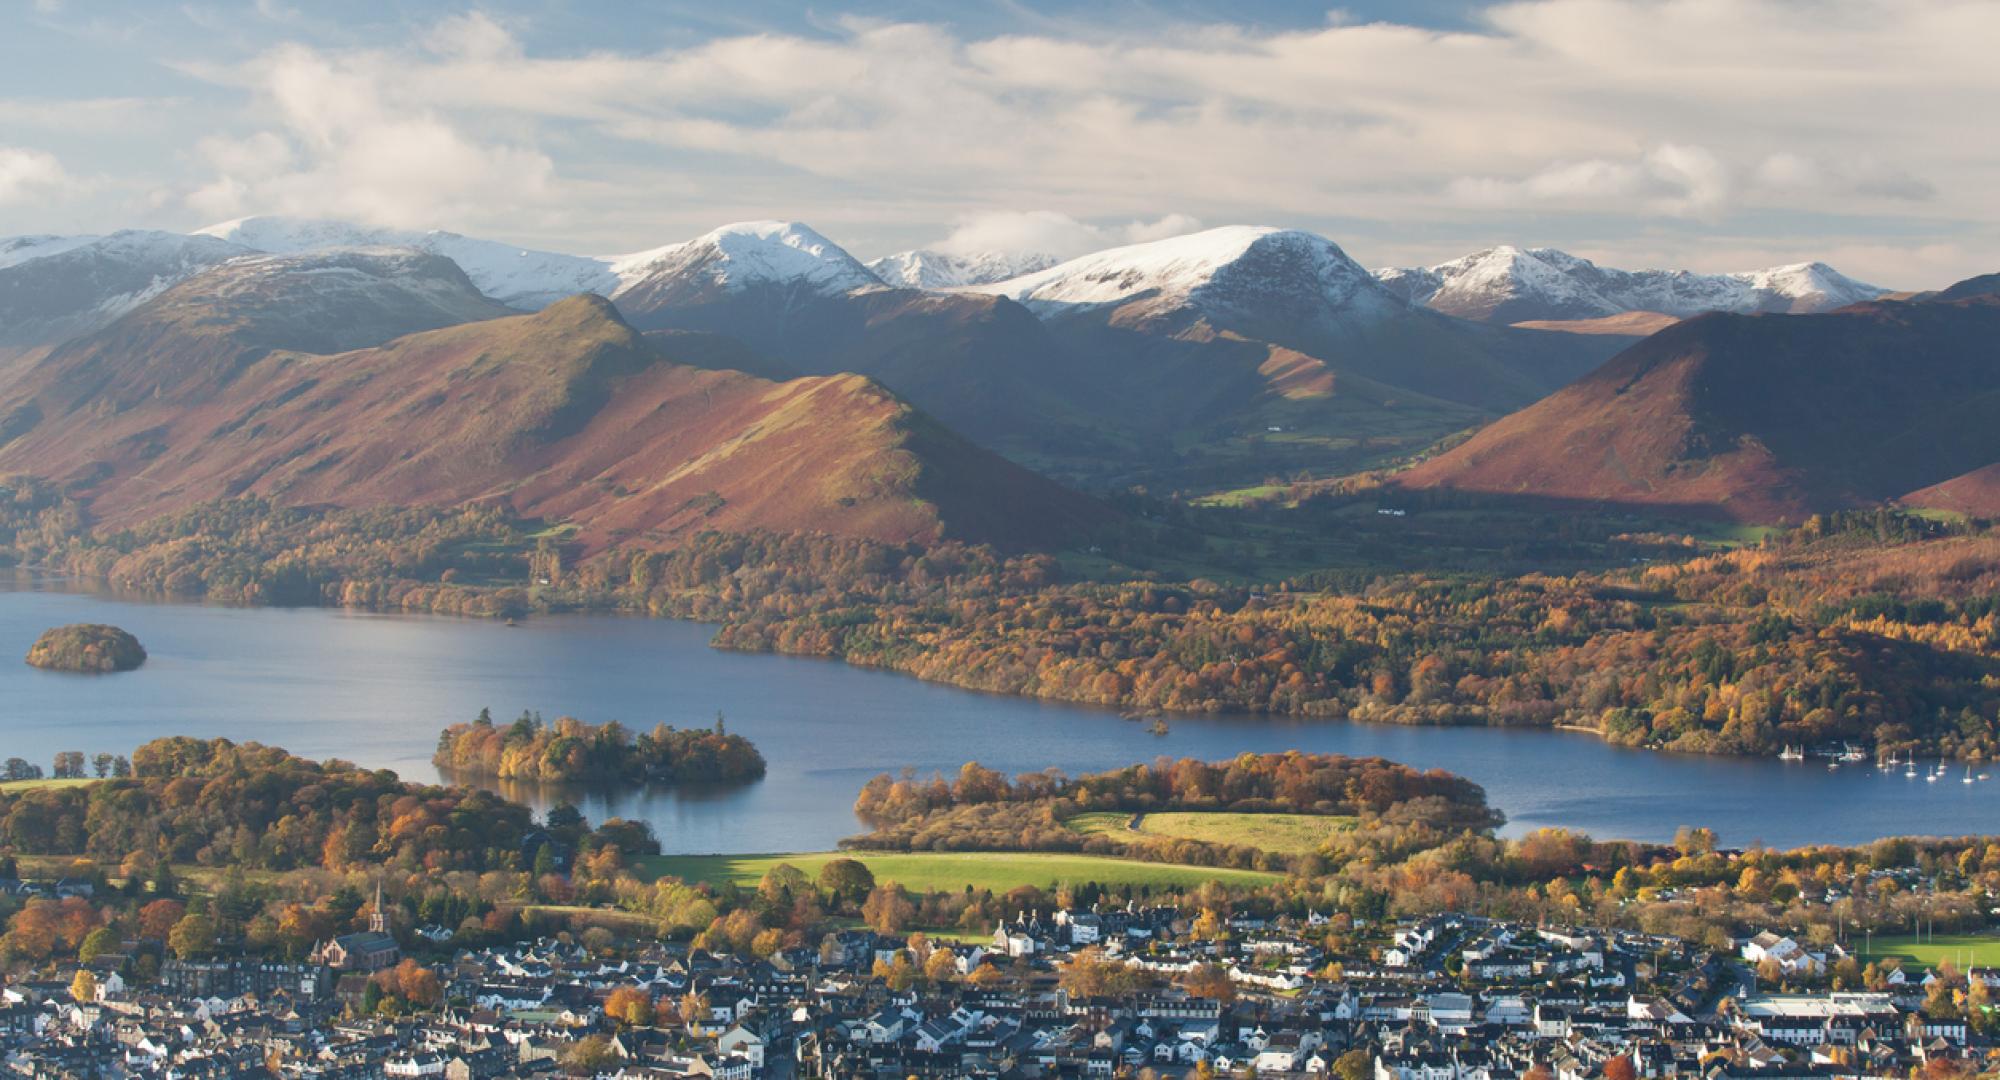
pixel 1794 174
pixel 1648 113
pixel 1669 180
pixel 349 144
pixel 1045 232
pixel 28 175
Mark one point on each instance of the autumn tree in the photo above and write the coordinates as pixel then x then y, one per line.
pixel 1208 981
pixel 846 881
pixel 629 1006
pixel 887 910
pixel 193 936
pixel 940 966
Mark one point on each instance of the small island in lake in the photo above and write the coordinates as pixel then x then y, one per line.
pixel 87 648
pixel 571 751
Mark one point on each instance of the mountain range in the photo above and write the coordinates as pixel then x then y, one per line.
pixel 383 378
pixel 1514 285
pixel 760 376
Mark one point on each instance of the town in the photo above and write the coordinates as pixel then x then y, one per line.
pixel 1133 991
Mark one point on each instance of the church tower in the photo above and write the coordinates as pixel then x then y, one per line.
pixel 378 922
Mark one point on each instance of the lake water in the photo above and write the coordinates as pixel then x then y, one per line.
pixel 376 689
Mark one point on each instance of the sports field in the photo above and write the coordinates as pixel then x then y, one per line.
pixel 1961 949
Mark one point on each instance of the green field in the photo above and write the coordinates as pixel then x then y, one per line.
pixel 1281 834
pixel 1960 949
pixel 953 871
pixel 29 785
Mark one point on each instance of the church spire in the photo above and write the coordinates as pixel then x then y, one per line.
pixel 378 922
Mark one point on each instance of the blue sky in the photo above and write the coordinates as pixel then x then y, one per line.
pixel 1699 133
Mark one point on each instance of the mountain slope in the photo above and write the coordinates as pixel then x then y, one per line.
pixel 568 414
pixel 981 365
pixel 926 269
pixel 1301 292
pixel 194 338
pixel 1760 417
pixel 518 277
pixel 1512 285
pixel 54 288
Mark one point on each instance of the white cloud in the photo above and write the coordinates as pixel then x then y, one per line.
pixel 1045 232
pixel 1668 180
pixel 349 143
pixel 1675 113
pixel 28 175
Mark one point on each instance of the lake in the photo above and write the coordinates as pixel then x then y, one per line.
pixel 376 690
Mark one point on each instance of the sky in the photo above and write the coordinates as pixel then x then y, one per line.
pixel 1710 135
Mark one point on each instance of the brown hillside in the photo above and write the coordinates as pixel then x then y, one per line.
pixel 568 414
pixel 1624 324
pixel 1758 417
pixel 1976 493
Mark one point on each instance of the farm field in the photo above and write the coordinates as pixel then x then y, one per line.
pixel 1282 834
pixel 998 871
pixel 1961 949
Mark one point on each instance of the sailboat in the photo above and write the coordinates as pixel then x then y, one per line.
pixel 1968 775
pixel 1790 753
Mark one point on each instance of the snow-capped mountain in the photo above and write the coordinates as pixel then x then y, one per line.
pixel 53 288
pixel 518 277
pixel 19 249
pixel 1227 275
pixel 336 299
pixel 1509 285
pixel 740 256
pixel 928 269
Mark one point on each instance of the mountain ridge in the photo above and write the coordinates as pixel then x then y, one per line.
pixel 566 414
pixel 1507 284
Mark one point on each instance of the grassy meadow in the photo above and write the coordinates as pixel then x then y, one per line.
pixel 1282 834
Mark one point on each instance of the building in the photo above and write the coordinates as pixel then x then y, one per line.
pixel 370 950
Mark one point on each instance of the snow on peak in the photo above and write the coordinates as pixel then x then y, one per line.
pixel 1510 284
pixel 1809 286
pixel 15 250
pixel 931 269
pixel 1233 271
pixel 82 283
pixel 516 276
pixel 752 253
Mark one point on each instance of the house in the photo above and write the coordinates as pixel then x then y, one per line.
pixel 1789 955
